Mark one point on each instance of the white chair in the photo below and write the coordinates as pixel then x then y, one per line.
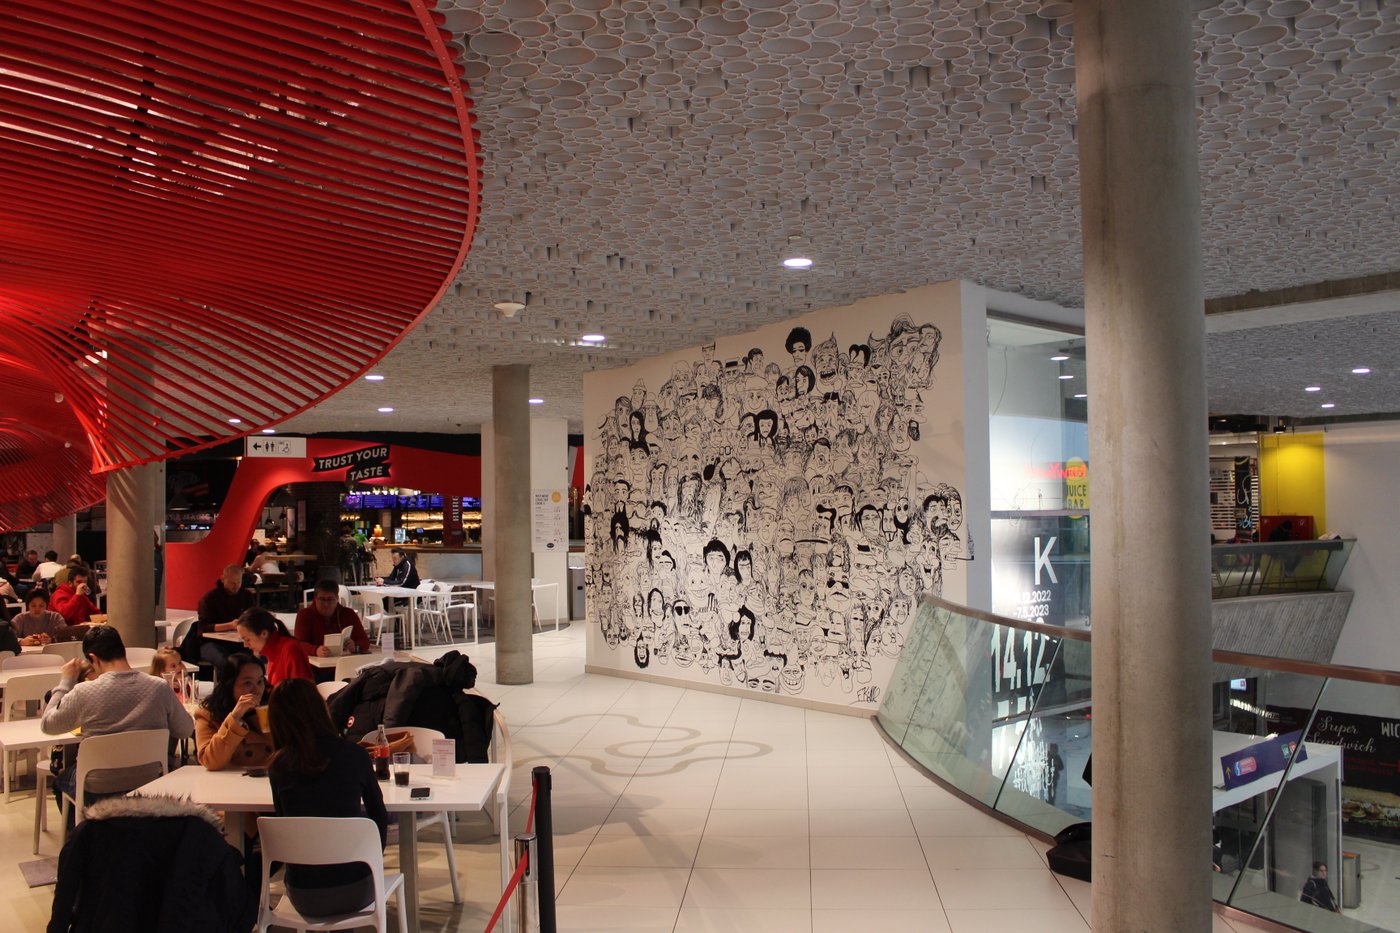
pixel 329 688
pixel 67 650
pixel 347 665
pixel 430 612
pixel 423 748
pixel 5 655
pixel 373 613
pixel 140 658
pixel 26 689
pixel 119 750
pixel 501 754
pixel 177 635
pixel 466 603
pixel 312 840
pixel 31 660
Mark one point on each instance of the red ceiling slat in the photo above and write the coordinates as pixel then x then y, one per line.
pixel 200 200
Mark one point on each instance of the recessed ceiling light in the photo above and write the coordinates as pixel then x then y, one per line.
pixel 374 377
pixel 593 338
pixel 1081 395
pixel 1059 359
pixel 798 262
pixel 385 410
pixel 536 401
pixel 1361 370
pixel 1313 389
pixel 1066 376
pixel 1329 404
pixel 235 421
pixel 269 430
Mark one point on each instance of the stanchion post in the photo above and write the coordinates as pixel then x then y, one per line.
pixel 523 917
pixel 544 831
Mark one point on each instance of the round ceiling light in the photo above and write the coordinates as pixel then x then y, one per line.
pixel 593 338
pixel 798 262
pixel 374 377
pixel 536 401
pixel 1361 370
pixel 1313 389
pixel 385 410
pixel 269 430
pixel 1059 358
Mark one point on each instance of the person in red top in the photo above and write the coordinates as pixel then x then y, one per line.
pixel 263 633
pixel 73 599
pixel 327 616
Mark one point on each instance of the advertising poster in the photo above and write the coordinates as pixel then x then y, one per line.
pixel 1370 767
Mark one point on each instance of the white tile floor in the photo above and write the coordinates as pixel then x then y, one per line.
pixel 689 812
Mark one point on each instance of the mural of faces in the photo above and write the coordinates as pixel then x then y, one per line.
pixel 765 525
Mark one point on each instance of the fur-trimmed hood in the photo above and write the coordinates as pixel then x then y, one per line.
pixel 166 807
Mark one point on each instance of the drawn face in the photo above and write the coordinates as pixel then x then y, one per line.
pixel 955 513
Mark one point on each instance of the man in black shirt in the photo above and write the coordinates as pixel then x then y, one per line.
pixel 219 610
pixel 1316 890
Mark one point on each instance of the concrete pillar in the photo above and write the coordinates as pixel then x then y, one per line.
pixel 131 602
pixel 510 512
pixel 65 538
pixel 1148 458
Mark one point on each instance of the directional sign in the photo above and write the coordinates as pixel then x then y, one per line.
pixel 264 446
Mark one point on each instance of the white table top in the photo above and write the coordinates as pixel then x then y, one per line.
pixel 401 592
pixel 22 671
pixel 473 787
pixel 25 733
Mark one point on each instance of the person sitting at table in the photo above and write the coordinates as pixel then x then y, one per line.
pixel 315 772
pixel 40 625
pixel 218 610
pixel 325 616
pixel 403 573
pixel 166 663
pixel 118 700
pixel 47 567
pixel 73 600
pixel 74 560
pixel 265 635
pixel 25 569
pixel 265 561
pixel 226 732
pixel 9 641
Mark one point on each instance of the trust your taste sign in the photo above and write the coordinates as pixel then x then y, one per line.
pixel 361 466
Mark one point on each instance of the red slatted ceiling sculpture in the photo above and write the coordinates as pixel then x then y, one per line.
pixel 211 211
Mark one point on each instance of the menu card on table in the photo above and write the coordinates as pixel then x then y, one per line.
pixel 444 758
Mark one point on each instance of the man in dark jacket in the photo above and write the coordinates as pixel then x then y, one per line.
pixel 1317 892
pixel 219 610
pixel 404 573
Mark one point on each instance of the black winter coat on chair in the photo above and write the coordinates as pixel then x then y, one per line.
pixel 138 864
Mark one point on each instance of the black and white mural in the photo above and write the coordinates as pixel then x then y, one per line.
pixel 764 513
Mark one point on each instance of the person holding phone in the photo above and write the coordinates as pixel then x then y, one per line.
pixel 227 732
pixel 315 772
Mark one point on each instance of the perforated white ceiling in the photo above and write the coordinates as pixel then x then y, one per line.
pixel 648 165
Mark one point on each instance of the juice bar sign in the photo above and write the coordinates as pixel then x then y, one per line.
pixel 361 466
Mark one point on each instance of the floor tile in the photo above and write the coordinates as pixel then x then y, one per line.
pixel 785 822
pixel 655 821
pixel 591 919
pixel 929 796
pixel 644 794
pixel 628 851
pixel 625 888
pixel 903 889
pixel 753 852
pixel 825 920
pixel 980 852
pixel 971 889
pixel 965 822
pixel 867 852
pixel 716 920
pixel 846 797
pixel 745 888
pixel 999 920
pixel 861 823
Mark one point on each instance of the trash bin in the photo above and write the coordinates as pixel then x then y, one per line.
pixel 576 604
pixel 1351 880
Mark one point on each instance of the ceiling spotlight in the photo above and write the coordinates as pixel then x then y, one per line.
pixel 508 308
pixel 1329 404
pixel 269 430
pixel 1313 389
pixel 374 377
pixel 1066 376
pixel 385 410
pixel 235 421
pixel 1081 395
pixel 536 401
pixel 1059 358
pixel 798 262
pixel 593 338
pixel 1361 370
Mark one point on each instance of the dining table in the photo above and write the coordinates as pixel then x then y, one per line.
pixel 471 788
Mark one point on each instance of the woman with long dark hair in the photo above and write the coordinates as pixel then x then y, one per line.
pixel 314 772
pixel 226 730
pixel 263 633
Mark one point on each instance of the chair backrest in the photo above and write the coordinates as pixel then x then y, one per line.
pixel 31 660
pixel 119 750
pixel 4 655
pixel 140 658
pixel 182 628
pixel 347 665
pixel 67 650
pixel 28 687
pixel 423 739
pixel 322 840
pixel 329 688
pixel 344 593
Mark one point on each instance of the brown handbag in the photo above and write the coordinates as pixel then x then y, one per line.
pixel 398 742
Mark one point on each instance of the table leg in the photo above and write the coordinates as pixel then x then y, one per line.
pixel 408 862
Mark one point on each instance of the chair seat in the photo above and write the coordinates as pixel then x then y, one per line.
pixel 289 915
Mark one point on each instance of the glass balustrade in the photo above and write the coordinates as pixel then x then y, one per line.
pixel 1273 567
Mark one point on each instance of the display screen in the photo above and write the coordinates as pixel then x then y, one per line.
pixel 356 500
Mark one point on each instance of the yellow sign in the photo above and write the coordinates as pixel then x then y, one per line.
pixel 1076 484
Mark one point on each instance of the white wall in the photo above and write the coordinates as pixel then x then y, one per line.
pixel 826 596
pixel 1362 464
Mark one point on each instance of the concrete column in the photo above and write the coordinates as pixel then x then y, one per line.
pixel 510 512
pixel 131 601
pixel 65 538
pixel 1148 461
